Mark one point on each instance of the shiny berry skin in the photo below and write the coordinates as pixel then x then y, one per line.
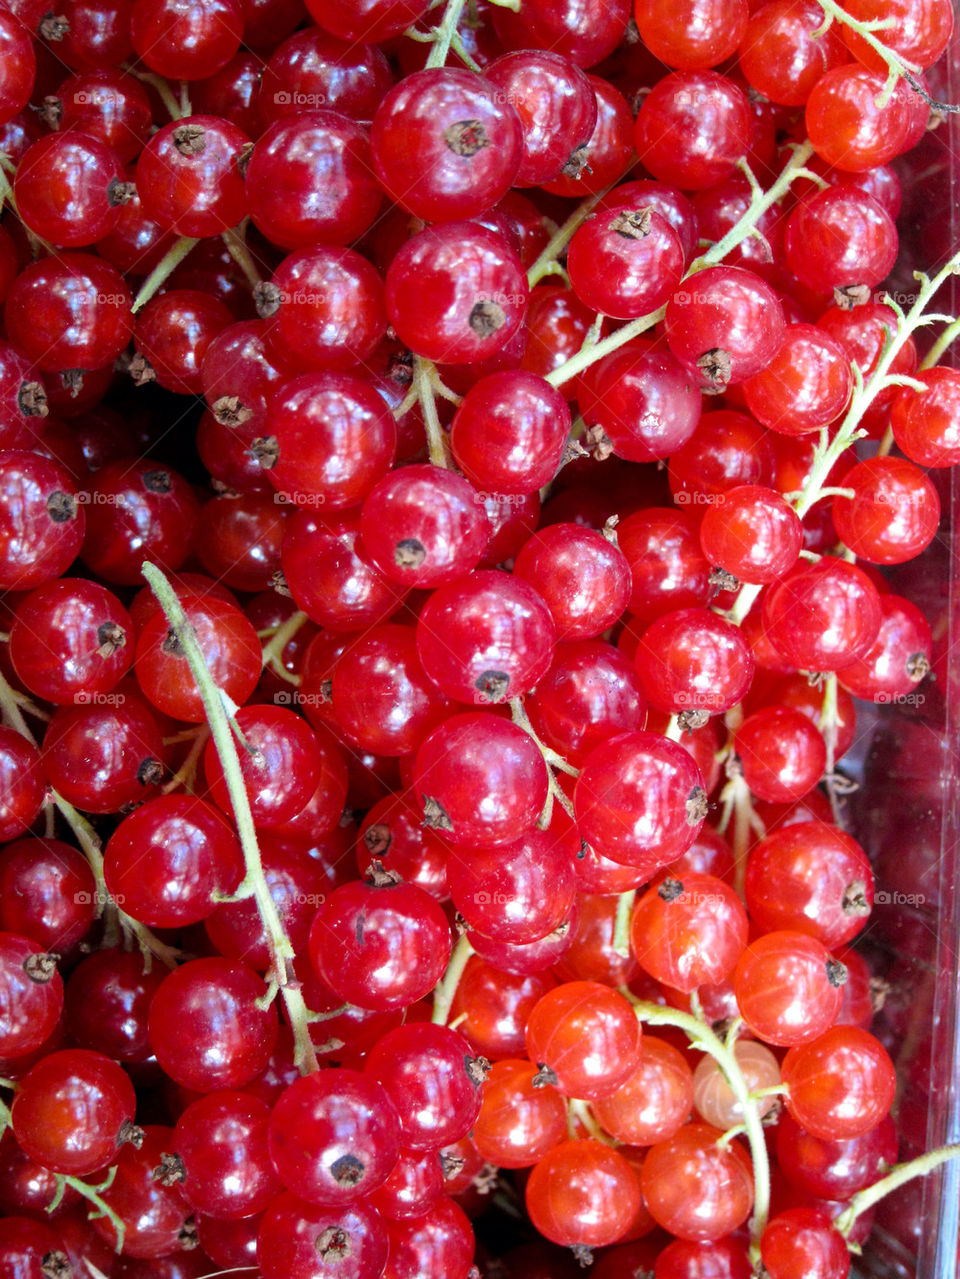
pixel 329 436
pixel 724 1258
pixel 330 574
pixel 394 833
pixel 585 1038
pixel 805 386
pixel 446 144
pixel 840 237
pixel 456 293
pixel 414 1186
pixel 383 699
pixel 609 151
pixel 424 526
pixel 590 693
pixel 753 534
pixel 439 1242
pixel 334 1135
pixel 68 188
pixel 431 1079
pixel 281 764
pixel 841 1085
pixel 373 20
pixel 301 1240
pixel 221 1142
pixel 230 648
pixel 186 41
pixel 847 127
pixel 510 431
pixel 71 640
pixel 310 180
pixel 154 1214
pixel 47 894
pixel 73 1110
pixel 695 1188
pixel 728 449
pixel 625 262
pixel 171 336
pixel 239 537
pixel 41 522
pixel 639 401
pixel 788 988
pixel 487 638
pixel 924 423
pixel 516 892
pixel 862 333
pixel 803 1240
pixel 239 373
pixel 69 312
pixel 811 878
pixel 167 861
pixel 692 129
pixel 670 571
pixel 24 402
pixel 518 1123
pixel 107 1001
pixel 728 325
pixel 583 1192
pixel 23 785
pixel 497 1005
pixel 693 660
pixel 557 110
pixel 690 932
pixel 782 753
pixel 32 995
pixel 583 578
pixel 714 1099
pixel 110 106
pixel 380 947
pixel 639 800
pixel 822 616
pixel 205 1026
pixel 19 67
pixel 894 512
pixel 137 511
pixel 654 1102
pixel 834 1169
pixel 312 67
pixel 189 178
pixel 780 56
pixel 899 657
pixel 323 309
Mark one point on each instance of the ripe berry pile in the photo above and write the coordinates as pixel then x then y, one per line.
pixel 454 467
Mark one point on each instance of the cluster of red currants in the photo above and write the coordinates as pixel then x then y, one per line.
pixel 451 460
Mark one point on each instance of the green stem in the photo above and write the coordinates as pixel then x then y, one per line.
pixel 273 649
pixel 736 235
pixel 163 270
pixel 898 1176
pixel 704 1039
pixel 444 34
pixel 93 1195
pixel 580 1111
pixel 937 351
pixel 188 769
pixel 898 68
pixel 162 88
pixel 238 249
pixel 254 883
pixel 437 447
pixel 621 927
pixel 446 988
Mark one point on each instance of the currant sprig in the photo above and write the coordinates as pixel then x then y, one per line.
pixel 254 884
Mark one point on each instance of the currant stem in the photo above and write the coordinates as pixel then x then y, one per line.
pixel 443 34
pixel 937 351
pixel 437 446
pixel 446 988
pixel 736 235
pixel 898 1176
pixel 281 637
pixel 704 1039
pixel 162 88
pixel 621 927
pixel 93 1195
pixel 188 769
pixel 898 68
pixel 163 270
pixel 579 1111
pixel 239 250
pixel 254 883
